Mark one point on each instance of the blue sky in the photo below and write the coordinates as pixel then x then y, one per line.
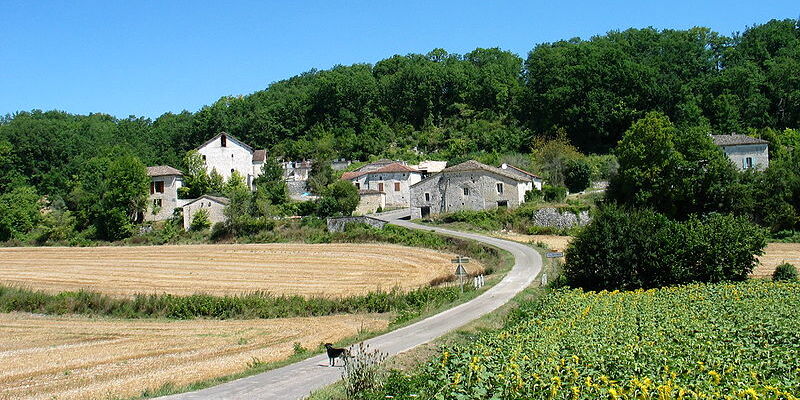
pixel 149 57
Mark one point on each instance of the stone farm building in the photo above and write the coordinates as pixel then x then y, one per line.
pixel 371 201
pixel 213 204
pixel 469 186
pixel 744 151
pixel 225 154
pixel 163 199
pixel 393 178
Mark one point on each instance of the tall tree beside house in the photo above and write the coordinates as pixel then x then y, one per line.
pixel 234 183
pixel 110 194
pixel 270 187
pixel 676 172
pixel 195 179
pixel 339 198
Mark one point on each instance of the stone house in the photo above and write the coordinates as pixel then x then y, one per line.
pixel 744 151
pixel 468 186
pixel 370 201
pixel 213 204
pixel 536 180
pixel 394 179
pixel 163 199
pixel 225 154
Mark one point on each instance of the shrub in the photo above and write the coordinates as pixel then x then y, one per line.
pixel 534 196
pixel 362 373
pixel 200 220
pixel 630 249
pixel 577 175
pixel 554 194
pixel 785 272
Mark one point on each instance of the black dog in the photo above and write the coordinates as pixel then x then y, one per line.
pixel 333 353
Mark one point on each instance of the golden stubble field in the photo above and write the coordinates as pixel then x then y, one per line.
pixel 774 254
pixel 46 357
pixel 226 269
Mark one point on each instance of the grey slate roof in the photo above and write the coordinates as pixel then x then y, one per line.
pixel 473 165
pixel 736 140
pixel 230 137
pixel 218 199
pixel 163 170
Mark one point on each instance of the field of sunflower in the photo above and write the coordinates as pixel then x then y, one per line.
pixel 703 341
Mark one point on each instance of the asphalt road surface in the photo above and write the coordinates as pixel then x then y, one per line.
pixel 298 380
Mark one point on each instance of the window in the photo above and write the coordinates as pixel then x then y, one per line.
pixel 156 202
pixel 466 191
pixel 500 187
pixel 427 197
pixel 152 187
pixel 358 185
pixel 204 157
pixel 380 187
pixel 159 187
pixel 397 186
pixel 747 163
pixel 223 141
pixel 502 204
pixel 231 170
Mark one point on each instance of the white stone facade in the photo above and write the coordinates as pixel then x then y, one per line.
pixel 395 180
pixel 225 154
pixel 163 199
pixel 370 201
pixel 214 205
pixel 748 156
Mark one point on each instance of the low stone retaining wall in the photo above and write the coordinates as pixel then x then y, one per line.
pixel 338 224
pixel 562 219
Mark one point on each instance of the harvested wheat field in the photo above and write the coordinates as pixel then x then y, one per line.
pixel 47 357
pixel 554 242
pixel 776 254
pixel 304 269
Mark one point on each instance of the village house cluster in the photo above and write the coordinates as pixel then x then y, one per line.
pixel 427 188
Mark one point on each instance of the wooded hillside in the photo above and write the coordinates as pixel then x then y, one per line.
pixel 487 100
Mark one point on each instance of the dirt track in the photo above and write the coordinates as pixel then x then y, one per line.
pixel 304 269
pixel 83 358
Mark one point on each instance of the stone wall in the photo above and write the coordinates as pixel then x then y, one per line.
pixel 338 224
pixel 563 219
pixel 296 187
pixel 758 153
pixel 445 192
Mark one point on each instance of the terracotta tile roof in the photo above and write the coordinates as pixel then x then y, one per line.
pixel 394 167
pixel 391 168
pixel 351 175
pixel 259 155
pixel 163 170
pixel 736 140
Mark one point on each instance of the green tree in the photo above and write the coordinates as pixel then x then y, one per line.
pixel 577 175
pixel 270 187
pixel 110 194
pixel 339 198
pixel 235 183
pixel 19 212
pixel 675 172
pixel 196 180
pixel 200 220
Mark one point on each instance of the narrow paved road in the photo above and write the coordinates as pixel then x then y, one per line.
pixel 298 380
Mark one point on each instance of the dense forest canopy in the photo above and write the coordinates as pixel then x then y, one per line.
pixel 451 106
